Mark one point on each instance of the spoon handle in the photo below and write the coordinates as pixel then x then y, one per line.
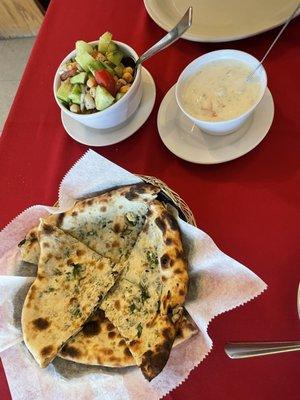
pixel 254 349
pixel 171 37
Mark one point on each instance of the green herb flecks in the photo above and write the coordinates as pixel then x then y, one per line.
pixel 76 311
pixel 49 290
pixel 152 259
pixel 77 270
pixel 132 307
pixel 144 293
pixel 56 271
pixel 139 330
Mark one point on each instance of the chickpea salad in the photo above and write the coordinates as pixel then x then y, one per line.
pixel 96 78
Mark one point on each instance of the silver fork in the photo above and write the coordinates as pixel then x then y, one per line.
pixel 254 349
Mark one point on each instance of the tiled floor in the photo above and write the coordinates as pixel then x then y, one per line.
pixel 14 54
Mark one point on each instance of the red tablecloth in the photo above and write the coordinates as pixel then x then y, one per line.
pixel 249 206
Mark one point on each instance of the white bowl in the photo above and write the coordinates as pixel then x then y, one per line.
pixel 118 112
pixel 230 125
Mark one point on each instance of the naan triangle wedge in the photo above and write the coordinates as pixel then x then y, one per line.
pixel 71 281
pixel 146 302
pixel 109 223
pixel 100 343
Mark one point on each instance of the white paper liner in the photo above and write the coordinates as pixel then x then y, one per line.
pixel 217 284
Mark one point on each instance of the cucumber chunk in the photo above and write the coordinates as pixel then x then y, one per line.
pixel 75 94
pixel 115 57
pixel 83 47
pixel 79 78
pixel 64 90
pixel 104 42
pixel 103 98
pixel 84 60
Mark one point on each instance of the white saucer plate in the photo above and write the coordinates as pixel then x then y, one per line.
pixel 221 21
pixel 105 137
pixel 184 139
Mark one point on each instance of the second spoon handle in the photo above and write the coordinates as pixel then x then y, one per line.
pixel 254 349
pixel 171 37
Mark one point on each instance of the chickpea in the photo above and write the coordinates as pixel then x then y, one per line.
pixel 124 89
pixel 91 82
pixel 128 69
pixel 120 83
pixel 127 77
pixel 75 108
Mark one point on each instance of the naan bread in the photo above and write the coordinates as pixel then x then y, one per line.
pixel 145 303
pixel 70 282
pixel 109 223
pixel 100 343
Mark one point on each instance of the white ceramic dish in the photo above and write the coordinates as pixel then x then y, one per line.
pixel 184 139
pixel 231 125
pixel 104 137
pixel 221 21
pixel 117 113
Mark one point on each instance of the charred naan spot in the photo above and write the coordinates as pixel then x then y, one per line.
pixel 169 241
pixel 41 324
pixel 179 254
pixel 122 342
pixel 179 332
pixel 21 243
pixel 133 343
pixel 74 214
pixel 127 352
pixel 89 202
pixel 117 305
pixel 60 219
pixel 171 221
pixel 91 328
pixel 161 224
pixel 71 351
pixel 131 194
pixel 178 271
pixel 110 326
pixel 172 263
pixel 181 292
pixel 66 286
pixel 149 213
pixel 45 244
pixel 100 265
pixel 80 253
pixel 99 360
pixel 112 335
pixel 48 229
pixel 32 235
pixel 164 261
pixel 167 334
pixel 100 314
pixel 58 258
pixel 117 228
pixel 115 243
pixel 146 227
pixel 40 277
pixel 191 327
pixel 153 363
pixel 46 351
pixel 164 278
pixel 108 351
pixel 107 245
pixel 73 300
pixel 103 208
pixel 140 189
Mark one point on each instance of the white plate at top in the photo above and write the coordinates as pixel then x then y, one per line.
pixel 105 137
pixel 184 139
pixel 221 20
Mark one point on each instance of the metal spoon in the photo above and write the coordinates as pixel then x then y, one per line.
pixel 254 349
pixel 171 37
pixel 275 40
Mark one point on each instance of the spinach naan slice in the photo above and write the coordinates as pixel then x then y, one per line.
pixel 109 223
pixel 100 343
pixel 71 280
pixel 145 303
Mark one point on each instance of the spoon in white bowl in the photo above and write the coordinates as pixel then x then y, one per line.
pixel 254 349
pixel 167 40
pixel 275 40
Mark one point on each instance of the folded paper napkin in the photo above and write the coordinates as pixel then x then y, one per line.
pixel 217 284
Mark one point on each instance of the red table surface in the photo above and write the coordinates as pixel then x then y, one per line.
pixel 249 206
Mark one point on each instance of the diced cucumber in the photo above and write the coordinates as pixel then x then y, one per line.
pixel 115 57
pixel 103 98
pixel 64 90
pixel 108 67
pixel 119 96
pixel 84 60
pixel 112 47
pixel 79 78
pixel 104 41
pixel 119 70
pixel 83 47
pixel 95 65
pixel 75 94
